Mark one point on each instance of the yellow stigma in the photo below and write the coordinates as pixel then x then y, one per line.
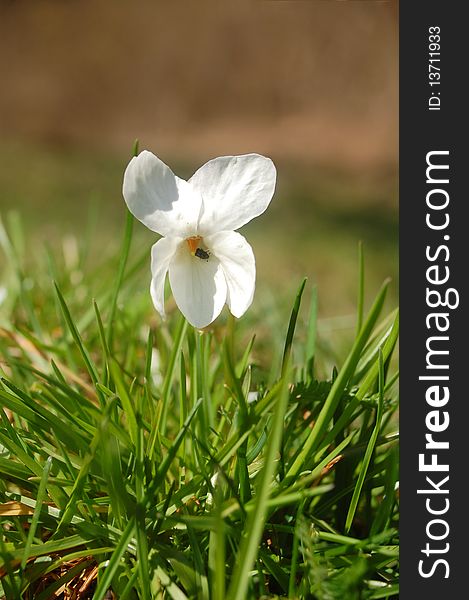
pixel 193 243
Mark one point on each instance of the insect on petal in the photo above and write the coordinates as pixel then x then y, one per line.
pixel 199 287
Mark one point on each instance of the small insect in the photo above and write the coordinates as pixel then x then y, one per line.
pixel 202 254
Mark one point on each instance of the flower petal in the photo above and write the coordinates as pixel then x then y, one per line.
pixel 198 286
pixel 234 190
pixel 239 266
pixel 161 254
pixel 159 199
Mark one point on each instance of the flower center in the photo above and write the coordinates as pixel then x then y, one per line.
pixel 197 247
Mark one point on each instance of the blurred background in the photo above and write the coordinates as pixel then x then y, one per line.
pixel 312 84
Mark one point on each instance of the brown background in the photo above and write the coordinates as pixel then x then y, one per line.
pixel 307 80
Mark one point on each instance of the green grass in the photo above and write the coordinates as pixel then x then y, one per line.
pixel 250 460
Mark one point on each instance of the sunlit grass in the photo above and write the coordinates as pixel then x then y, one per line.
pixel 254 459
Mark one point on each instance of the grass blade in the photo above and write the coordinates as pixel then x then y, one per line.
pixel 369 450
pixel 361 286
pixel 337 389
pixel 127 404
pixel 292 326
pixel 310 349
pixel 41 493
pixel 172 452
pixel 255 522
pixel 168 380
pixel 129 220
pixel 76 336
pixel 110 570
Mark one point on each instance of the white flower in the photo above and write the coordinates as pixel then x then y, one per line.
pixel 208 262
